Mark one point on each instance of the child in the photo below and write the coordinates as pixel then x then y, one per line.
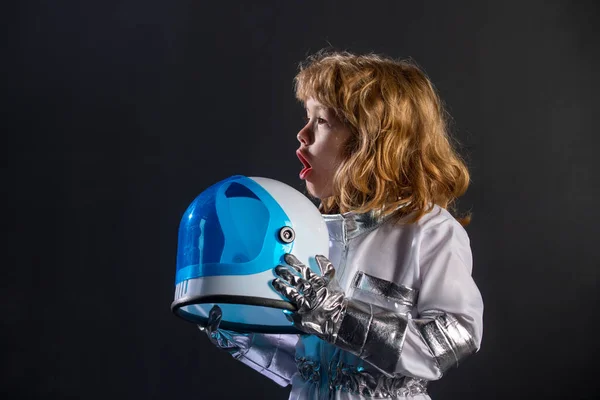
pixel 395 305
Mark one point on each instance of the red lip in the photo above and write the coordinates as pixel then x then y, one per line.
pixel 307 167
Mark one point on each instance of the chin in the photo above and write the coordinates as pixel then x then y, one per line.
pixel 317 191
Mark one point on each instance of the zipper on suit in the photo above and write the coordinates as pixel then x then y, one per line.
pixel 344 257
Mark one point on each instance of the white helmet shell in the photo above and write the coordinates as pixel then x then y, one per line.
pixel 231 238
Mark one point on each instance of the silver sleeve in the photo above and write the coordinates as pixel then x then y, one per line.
pixel 440 331
pixel 377 336
pixel 449 341
pixel 272 355
pixel 372 333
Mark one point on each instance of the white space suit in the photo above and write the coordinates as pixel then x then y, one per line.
pixel 415 312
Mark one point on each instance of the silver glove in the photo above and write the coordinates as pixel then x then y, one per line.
pixel 269 354
pixel 236 344
pixel 319 300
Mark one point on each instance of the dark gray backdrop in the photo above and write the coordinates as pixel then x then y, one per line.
pixel 119 113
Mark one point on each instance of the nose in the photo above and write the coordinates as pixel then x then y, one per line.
pixel 304 136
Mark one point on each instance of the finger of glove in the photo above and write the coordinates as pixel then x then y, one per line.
pixel 284 273
pixel 295 264
pixel 290 293
pixel 288 314
pixel 326 267
pixel 302 269
pixel 287 291
pixel 214 319
pixel 221 341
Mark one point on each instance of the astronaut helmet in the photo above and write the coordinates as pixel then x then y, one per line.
pixel 231 237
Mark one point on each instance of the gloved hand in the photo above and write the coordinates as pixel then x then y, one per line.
pixel 236 344
pixel 319 300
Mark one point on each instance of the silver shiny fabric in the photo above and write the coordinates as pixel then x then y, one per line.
pixel 319 300
pixel 343 227
pixel 396 295
pixel 236 344
pixel 272 355
pixel 372 333
pixel 310 370
pixel 395 276
pixel 449 341
pixel 356 380
pixel 414 277
pixel 267 354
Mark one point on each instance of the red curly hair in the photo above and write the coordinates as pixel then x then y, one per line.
pixel 399 158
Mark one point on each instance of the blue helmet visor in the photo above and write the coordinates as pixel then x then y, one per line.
pixel 231 229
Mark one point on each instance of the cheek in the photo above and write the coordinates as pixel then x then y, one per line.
pixel 331 156
pixel 334 159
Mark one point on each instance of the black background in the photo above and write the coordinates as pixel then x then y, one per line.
pixel 119 113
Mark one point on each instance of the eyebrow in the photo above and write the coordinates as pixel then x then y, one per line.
pixel 317 107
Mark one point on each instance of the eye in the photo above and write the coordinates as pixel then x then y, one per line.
pixel 318 120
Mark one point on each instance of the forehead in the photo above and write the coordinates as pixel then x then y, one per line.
pixel 313 105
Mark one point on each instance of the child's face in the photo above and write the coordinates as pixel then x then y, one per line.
pixel 321 142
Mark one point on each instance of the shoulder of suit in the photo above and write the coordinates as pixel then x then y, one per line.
pixel 438 217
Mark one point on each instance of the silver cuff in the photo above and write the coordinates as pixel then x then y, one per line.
pixel 374 334
pixel 270 357
pixel 357 380
pixel 449 341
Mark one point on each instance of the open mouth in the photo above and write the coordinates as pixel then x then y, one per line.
pixel 307 167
